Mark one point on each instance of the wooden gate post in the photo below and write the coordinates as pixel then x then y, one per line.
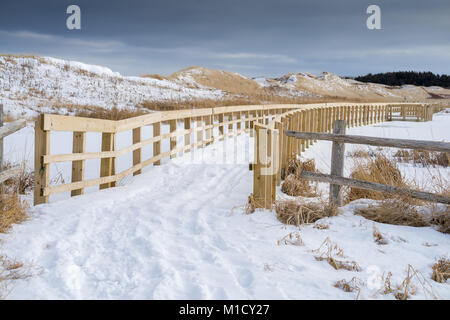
pixel 41 170
pixel 337 163
pixel 157 144
pixel 137 154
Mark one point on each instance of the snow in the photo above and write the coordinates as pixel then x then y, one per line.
pixel 179 231
pixel 30 85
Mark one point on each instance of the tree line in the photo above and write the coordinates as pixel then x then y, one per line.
pixel 407 77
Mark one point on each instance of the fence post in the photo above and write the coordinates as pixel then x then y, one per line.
pixel 238 124
pixel 337 163
pixel 209 131
pixel 137 154
pixel 200 134
pixel 187 136
pixel 157 144
pixel 173 140
pixel 79 146
pixel 108 165
pixel 41 170
pixel 221 127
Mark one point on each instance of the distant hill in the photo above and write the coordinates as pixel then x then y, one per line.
pixel 426 79
pixel 30 85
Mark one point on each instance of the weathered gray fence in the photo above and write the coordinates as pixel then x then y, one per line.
pixel 336 179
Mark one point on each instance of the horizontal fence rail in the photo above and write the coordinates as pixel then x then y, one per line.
pixel 200 128
pixel 365 185
pixel 300 128
pixel 336 179
pixel 374 141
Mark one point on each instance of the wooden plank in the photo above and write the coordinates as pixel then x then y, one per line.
pixel 41 170
pixel 220 117
pixel 337 163
pixel 11 127
pixel 55 122
pixel 187 137
pixel 375 141
pixel 108 165
pixel 359 184
pixel 173 140
pixel 200 133
pixel 239 121
pixel 79 146
pixel 137 154
pixel 209 132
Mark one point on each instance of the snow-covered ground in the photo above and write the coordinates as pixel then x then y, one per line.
pixel 179 231
pixel 31 85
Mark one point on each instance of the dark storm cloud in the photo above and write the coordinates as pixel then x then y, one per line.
pixel 254 37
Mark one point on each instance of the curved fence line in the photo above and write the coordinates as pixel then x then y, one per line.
pixel 228 121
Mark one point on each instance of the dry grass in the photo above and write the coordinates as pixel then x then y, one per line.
pixel 441 270
pixel 328 251
pixel 407 288
pixel 12 211
pixel 292 238
pixel 379 238
pixel 379 170
pixel 293 185
pixel 423 158
pixel 394 211
pixel 231 100
pixel 21 183
pixel 11 270
pixel 96 112
pixel 109 114
pixel 297 213
pixel 154 76
pixel 349 286
pixel 442 221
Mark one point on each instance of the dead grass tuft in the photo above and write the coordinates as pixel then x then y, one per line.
pixel 11 270
pixel 442 221
pixel 328 251
pixel 12 211
pixel 441 270
pixel 21 183
pixel 293 185
pixel 393 211
pixel 292 238
pixel 379 238
pixel 379 170
pixel 349 286
pixel 298 213
pixel 423 157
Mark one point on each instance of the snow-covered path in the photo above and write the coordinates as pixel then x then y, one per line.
pixel 174 233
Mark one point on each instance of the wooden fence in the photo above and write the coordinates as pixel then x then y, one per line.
pixel 273 156
pixel 336 178
pixel 6 130
pixel 229 121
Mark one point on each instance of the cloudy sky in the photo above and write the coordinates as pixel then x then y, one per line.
pixel 252 37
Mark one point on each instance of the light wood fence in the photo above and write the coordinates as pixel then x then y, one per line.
pixel 229 121
pixel 275 149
